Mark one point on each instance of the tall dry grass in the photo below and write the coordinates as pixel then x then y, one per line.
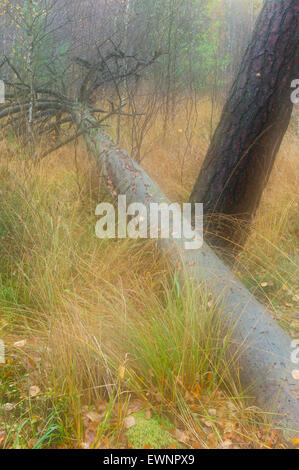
pixel 98 329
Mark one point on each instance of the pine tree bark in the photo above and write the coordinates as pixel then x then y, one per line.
pixel 253 123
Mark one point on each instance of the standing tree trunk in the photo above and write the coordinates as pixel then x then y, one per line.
pixel 254 120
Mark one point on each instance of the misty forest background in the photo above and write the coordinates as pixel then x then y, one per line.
pixel 103 350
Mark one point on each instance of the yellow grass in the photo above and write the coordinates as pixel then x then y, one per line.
pixel 102 329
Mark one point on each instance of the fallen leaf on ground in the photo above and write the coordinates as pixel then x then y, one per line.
pixel 20 344
pixel 227 444
pixel 34 390
pixel 31 443
pixel 181 436
pixel 94 417
pixel 129 422
pixel 195 445
pixel 208 423
pixel 8 407
pixel 135 406
pixel 89 438
pixel 295 374
pixel 101 407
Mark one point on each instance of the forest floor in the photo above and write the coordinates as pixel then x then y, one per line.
pixel 103 349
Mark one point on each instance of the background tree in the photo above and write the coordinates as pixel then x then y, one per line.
pixel 254 120
pixel 192 37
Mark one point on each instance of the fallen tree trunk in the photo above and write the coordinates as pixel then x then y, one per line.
pixel 262 350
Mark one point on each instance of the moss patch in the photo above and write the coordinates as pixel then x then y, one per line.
pixel 152 432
